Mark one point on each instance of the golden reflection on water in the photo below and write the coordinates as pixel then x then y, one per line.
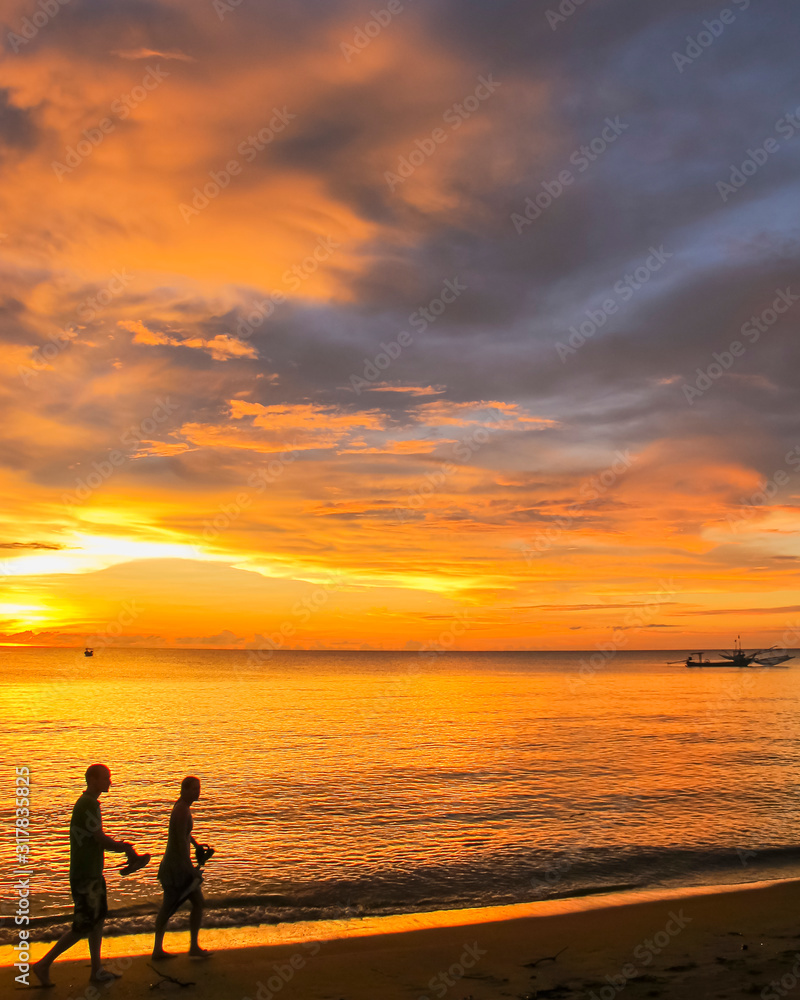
pixel 436 777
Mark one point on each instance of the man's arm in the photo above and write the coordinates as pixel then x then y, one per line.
pixel 116 846
pixel 109 844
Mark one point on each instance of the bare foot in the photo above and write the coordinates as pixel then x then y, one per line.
pixel 199 952
pixel 104 976
pixel 42 973
pixel 162 955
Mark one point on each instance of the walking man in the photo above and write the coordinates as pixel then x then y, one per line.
pixel 180 879
pixel 87 844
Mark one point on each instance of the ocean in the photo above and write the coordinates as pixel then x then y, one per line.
pixel 354 784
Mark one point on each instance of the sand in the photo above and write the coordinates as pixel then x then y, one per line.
pixel 723 943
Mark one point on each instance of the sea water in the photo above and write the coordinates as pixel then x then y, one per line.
pixel 342 784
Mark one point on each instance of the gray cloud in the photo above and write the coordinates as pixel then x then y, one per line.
pixel 655 186
pixel 18 130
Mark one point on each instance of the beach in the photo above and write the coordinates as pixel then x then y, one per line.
pixel 473 830
pixel 722 942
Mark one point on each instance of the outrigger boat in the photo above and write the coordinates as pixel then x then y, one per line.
pixel 700 662
pixel 777 660
pixel 737 657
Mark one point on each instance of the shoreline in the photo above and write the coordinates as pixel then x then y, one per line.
pixel 48 928
pixel 733 938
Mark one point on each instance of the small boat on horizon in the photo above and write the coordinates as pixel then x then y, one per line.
pixel 88 651
pixel 738 657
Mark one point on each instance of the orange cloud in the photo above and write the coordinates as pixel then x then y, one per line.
pixel 220 347
pixel 206 225
pixel 144 53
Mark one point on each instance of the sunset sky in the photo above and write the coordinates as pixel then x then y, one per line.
pixel 378 328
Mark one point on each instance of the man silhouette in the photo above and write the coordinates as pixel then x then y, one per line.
pixel 178 876
pixel 87 844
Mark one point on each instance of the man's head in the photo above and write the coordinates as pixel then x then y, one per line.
pixel 190 788
pixel 98 779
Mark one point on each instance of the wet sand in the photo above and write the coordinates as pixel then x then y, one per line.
pixel 731 942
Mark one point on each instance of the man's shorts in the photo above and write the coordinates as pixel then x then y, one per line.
pixel 176 893
pixel 91 905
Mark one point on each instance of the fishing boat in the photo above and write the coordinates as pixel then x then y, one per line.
pixel 738 657
pixel 776 660
pixel 700 662
pixel 88 651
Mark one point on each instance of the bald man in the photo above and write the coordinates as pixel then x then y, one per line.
pixel 87 846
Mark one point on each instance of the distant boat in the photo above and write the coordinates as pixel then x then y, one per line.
pixel 88 652
pixel 777 660
pixel 700 662
pixel 738 657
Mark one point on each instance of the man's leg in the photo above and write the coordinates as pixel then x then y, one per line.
pixel 96 907
pixel 99 974
pixel 166 911
pixel 95 947
pixel 195 919
pixel 41 969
